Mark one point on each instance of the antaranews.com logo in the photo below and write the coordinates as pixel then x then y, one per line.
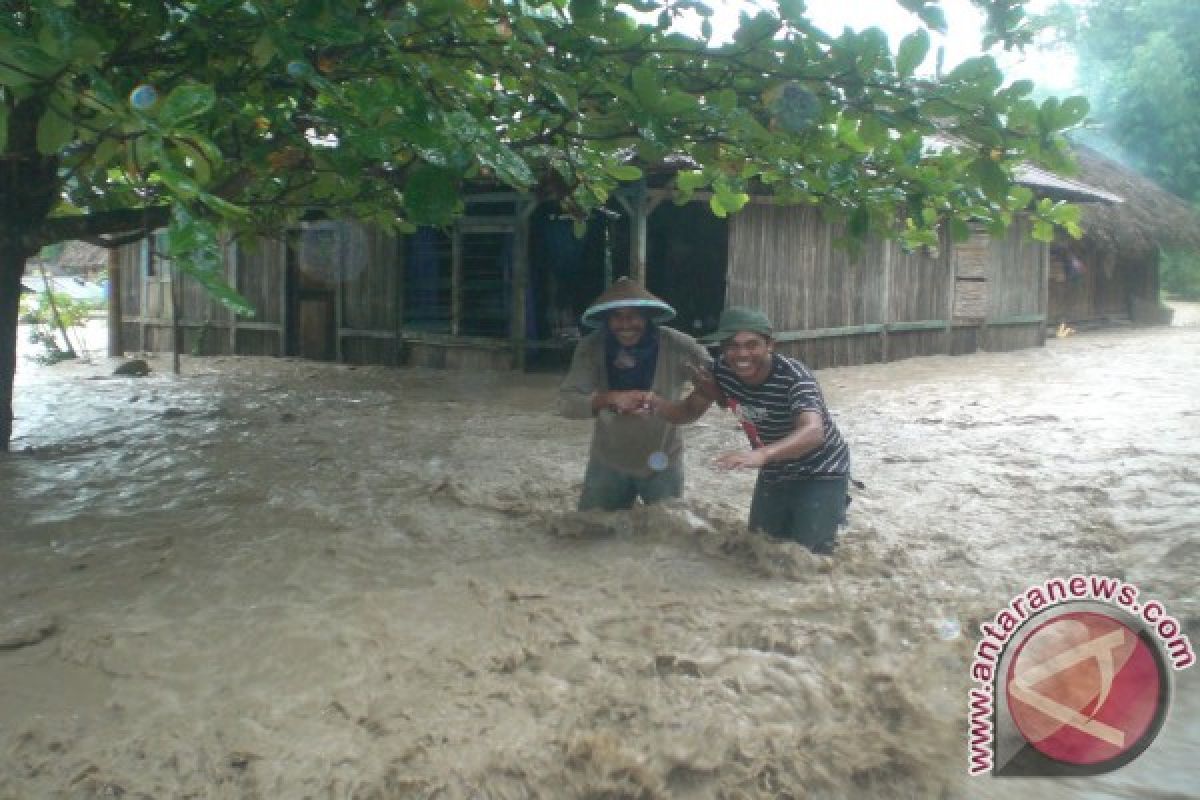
pixel 1072 678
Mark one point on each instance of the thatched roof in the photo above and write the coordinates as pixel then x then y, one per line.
pixel 82 254
pixel 1149 217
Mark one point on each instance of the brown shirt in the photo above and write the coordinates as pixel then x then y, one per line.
pixel 625 441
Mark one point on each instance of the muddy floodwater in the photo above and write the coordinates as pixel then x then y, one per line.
pixel 274 578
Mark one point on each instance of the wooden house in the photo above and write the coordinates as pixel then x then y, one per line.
pixel 504 287
pixel 1112 273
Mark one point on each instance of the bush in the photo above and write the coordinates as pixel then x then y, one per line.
pixel 37 312
pixel 1180 274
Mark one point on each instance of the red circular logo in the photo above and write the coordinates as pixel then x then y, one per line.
pixel 1084 688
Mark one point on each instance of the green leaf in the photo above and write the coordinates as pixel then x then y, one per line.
pixel 718 210
pixel 848 135
pixel 199 149
pixel 584 10
pixel 792 11
pixel 180 185
pixel 1019 197
pixel 911 53
pixel 54 131
pixel 264 50
pixel 106 152
pixel 859 223
pixel 1073 111
pixel 873 132
pixel 625 172
pixel 431 195
pixel 646 85
pixel 186 101
pixel 960 231
pixel 691 180
pixel 3 126
pixel 25 64
pixel 992 178
pixel 934 17
pixel 195 249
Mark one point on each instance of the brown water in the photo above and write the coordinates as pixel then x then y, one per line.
pixel 273 578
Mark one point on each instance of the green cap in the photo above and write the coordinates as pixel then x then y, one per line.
pixel 738 320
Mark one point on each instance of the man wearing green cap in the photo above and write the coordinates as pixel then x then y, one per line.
pixel 802 460
pixel 618 375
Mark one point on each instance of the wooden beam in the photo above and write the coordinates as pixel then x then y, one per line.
pixel 520 310
pixel 917 325
pixel 451 340
pixel 1019 319
pixel 147 253
pixel 115 291
pixel 456 281
pixel 1044 291
pixel 634 200
pixel 401 262
pixel 827 333
pixel 285 313
pixel 339 292
pixel 947 253
pixel 355 333
pixel 234 257
pixel 885 309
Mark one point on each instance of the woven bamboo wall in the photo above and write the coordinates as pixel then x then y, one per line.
pixel 787 262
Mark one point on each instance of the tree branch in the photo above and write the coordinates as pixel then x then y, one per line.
pixel 92 226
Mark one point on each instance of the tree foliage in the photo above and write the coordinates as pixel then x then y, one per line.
pixel 253 112
pixel 123 115
pixel 1140 64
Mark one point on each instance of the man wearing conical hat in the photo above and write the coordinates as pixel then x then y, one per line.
pixel 619 374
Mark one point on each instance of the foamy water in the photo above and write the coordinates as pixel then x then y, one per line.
pixel 274 578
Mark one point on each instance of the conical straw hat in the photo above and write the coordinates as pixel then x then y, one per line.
pixel 626 293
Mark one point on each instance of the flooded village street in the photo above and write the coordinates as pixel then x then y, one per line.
pixel 274 578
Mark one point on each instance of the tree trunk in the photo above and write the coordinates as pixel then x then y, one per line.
pixel 12 266
pixel 29 187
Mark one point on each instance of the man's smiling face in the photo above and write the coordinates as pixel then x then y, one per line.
pixel 749 356
pixel 628 325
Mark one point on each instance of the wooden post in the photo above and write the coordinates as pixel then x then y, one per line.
pixel 948 255
pixel 634 201
pixel 885 309
pixel 341 244
pixel 143 287
pixel 1044 291
pixel 401 262
pixel 115 290
pixel 234 257
pixel 456 281
pixel 176 327
pixel 285 313
pixel 524 208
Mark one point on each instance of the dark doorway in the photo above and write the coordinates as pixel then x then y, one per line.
pixel 687 254
pixel 312 275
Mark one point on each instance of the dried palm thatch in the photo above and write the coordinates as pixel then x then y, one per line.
pixel 1150 217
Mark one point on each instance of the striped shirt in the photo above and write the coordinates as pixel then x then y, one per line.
pixel 768 413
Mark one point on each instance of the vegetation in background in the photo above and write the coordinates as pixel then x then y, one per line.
pixel 1179 273
pixel 54 319
pixel 1139 62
